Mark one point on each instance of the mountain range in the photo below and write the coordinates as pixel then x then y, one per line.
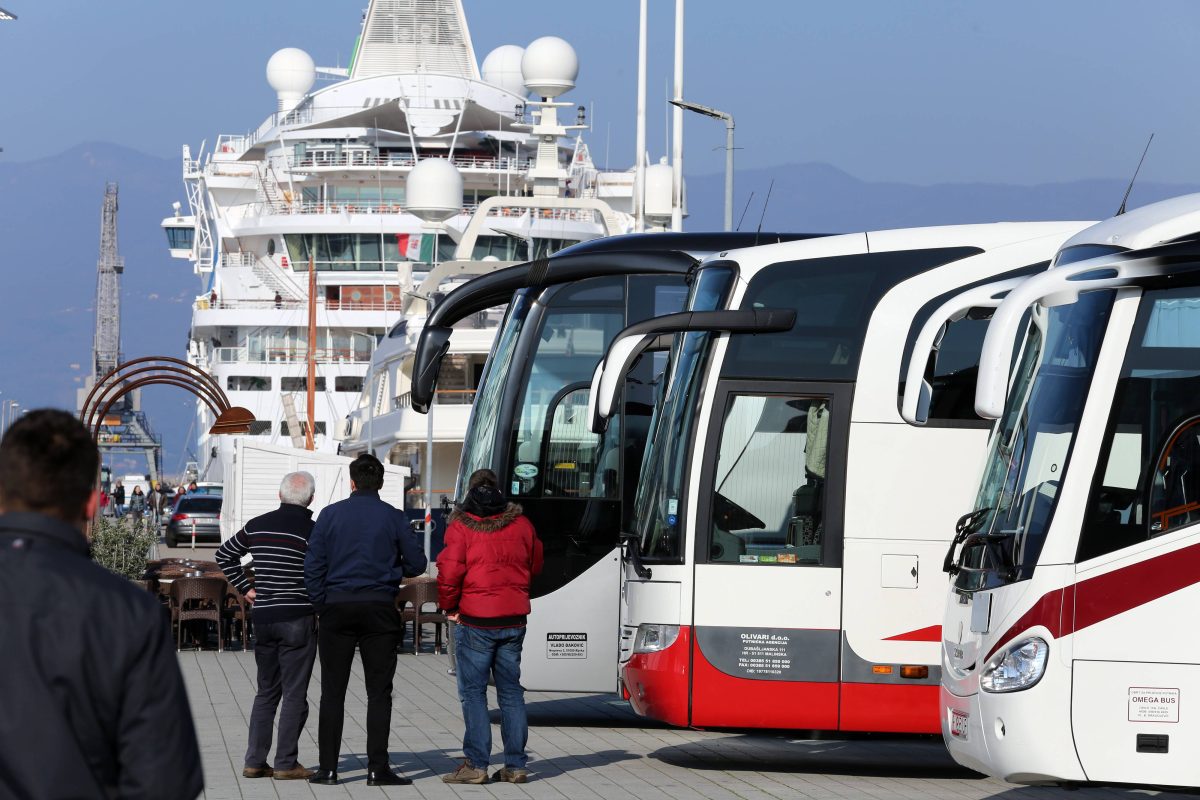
pixel 50 226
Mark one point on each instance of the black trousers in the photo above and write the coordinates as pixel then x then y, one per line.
pixel 375 628
pixel 284 653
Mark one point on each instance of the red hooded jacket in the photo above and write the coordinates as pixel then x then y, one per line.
pixel 486 566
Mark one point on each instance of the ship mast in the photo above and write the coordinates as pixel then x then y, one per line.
pixel 312 352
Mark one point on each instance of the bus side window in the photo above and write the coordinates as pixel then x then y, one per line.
pixel 1147 480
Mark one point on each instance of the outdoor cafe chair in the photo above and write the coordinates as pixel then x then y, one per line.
pixel 198 599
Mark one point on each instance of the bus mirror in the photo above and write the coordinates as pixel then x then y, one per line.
pixel 1056 286
pixel 609 378
pixel 918 391
pixel 431 349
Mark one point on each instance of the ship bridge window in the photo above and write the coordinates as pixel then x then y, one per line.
pixel 180 238
pixel 260 427
pixel 348 383
pixel 365 252
pixel 300 384
pixel 248 383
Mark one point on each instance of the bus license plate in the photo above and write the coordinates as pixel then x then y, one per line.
pixel 958 724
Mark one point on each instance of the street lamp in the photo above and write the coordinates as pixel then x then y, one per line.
pixel 715 114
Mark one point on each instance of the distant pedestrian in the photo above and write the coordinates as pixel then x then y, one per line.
pixel 137 504
pixel 284 624
pixel 359 552
pixel 93 700
pixel 278 300
pixel 119 500
pixel 490 557
pixel 192 487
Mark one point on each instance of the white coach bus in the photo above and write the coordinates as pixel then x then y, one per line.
pixel 1068 654
pixel 789 528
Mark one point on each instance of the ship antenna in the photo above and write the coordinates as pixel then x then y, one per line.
pixel 744 210
pixel 1129 189
pixel 766 203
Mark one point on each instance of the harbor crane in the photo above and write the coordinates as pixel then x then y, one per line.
pixel 125 428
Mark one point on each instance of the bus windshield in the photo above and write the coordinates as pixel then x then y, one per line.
pixel 1031 445
pixel 657 505
pixel 480 441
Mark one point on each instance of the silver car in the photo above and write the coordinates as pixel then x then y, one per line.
pixel 203 512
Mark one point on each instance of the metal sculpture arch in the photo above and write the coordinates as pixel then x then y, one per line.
pixel 163 371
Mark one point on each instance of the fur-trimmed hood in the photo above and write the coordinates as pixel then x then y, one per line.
pixel 487 524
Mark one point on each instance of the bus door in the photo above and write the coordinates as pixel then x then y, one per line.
pixel 576 486
pixel 768 585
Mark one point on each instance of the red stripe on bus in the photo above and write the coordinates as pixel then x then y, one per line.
pixel 725 701
pixel 1092 601
pixel 931 634
pixel 890 708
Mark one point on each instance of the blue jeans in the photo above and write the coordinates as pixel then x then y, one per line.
pixel 495 651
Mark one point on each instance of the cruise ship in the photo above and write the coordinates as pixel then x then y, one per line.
pixel 411 169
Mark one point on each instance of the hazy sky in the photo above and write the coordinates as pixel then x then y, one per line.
pixel 921 91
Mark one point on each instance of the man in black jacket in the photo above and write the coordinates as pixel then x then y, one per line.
pixel 285 629
pixel 359 552
pixel 92 702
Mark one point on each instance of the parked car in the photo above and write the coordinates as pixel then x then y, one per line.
pixel 203 511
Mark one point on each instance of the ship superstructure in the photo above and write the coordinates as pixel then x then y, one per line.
pixel 324 181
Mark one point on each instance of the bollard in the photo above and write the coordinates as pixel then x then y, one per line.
pixel 193 534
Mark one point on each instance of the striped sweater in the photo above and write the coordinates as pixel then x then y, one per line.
pixel 277 542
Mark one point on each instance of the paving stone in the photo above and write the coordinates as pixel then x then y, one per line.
pixel 582 747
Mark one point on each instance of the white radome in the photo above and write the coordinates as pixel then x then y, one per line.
pixel 434 191
pixel 550 66
pixel 291 73
pixel 660 181
pixel 502 68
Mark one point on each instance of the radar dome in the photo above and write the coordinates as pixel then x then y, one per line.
pixel 434 191
pixel 291 73
pixel 660 195
pixel 549 67
pixel 502 68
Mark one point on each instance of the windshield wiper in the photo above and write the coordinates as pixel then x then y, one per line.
pixel 966 525
pixel 631 553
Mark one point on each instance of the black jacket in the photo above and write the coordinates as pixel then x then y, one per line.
pixel 360 550
pixel 92 702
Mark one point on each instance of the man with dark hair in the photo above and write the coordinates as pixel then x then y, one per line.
pixel 92 696
pixel 359 552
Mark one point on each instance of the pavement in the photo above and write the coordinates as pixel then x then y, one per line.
pixel 582 747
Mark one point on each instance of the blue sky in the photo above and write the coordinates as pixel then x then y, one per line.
pixel 915 91
pixel 920 91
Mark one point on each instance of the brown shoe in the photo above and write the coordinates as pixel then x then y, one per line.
pixel 507 775
pixel 466 774
pixel 296 773
pixel 257 772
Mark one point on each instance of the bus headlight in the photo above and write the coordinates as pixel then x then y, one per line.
pixel 652 638
pixel 1017 667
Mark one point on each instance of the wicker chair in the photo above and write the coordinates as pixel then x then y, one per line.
pixel 237 607
pixel 421 593
pixel 198 598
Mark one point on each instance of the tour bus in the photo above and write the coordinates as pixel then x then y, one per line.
pixel 528 424
pixel 789 528
pixel 1069 653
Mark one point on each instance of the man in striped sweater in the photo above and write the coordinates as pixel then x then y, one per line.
pixel 284 624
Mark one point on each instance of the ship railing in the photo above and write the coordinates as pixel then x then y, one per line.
pixel 443 397
pixel 288 355
pixel 378 207
pixel 206 303
pixel 238 259
pixel 367 158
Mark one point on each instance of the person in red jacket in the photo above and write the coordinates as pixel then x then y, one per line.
pixel 490 556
